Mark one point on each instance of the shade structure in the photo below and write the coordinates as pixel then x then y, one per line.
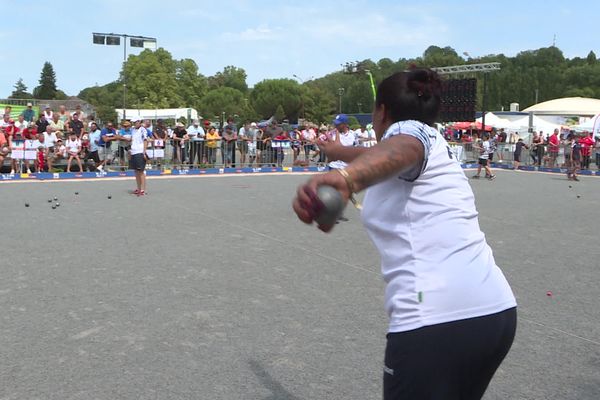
pixel 568 106
pixel 471 125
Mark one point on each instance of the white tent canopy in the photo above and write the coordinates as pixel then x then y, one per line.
pixel 590 125
pixel 539 124
pixel 495 121
pixel 578 106
pixel 162 113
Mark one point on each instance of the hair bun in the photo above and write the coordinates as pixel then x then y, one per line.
pixel 424 82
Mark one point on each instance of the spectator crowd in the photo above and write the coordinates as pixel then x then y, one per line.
pixel 72 139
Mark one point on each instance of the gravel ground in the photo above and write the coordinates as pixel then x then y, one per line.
pixel 209 288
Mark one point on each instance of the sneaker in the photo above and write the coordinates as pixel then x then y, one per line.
pixel 12 171
pixel 136 191
pixel 141 193
pixel 491 177
pixel 28 171
pixel 575 178
pixel 100 168
pixel 475 176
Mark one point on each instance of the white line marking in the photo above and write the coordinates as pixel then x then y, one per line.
pixel 84 334
pixel 558 330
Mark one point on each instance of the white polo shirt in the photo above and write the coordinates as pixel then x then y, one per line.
pixel 346 139
pixel 434 258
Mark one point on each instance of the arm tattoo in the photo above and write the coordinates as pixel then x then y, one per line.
pixel 397 154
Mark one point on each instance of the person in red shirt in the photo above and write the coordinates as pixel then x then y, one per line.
pixel 553 145
pixel 30 133
pixel 4 147
pixel 587 143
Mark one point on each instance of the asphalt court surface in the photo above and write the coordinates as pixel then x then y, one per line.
pixel 210 288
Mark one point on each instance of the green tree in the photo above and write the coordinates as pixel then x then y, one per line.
pixel 232 77
pixel 60 95
pixel 47 87
pixel 591 58
pixel 435 56
pixel 191 85
pixel 269 94
pixel 151 79
pixel 318 104
pixel 279 113
pixel 248 113
pixel 223 99
pixel 20 91
pixel 106 113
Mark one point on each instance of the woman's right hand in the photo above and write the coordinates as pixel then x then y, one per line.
pixel 307 205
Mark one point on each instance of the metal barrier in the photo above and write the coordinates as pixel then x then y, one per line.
pixel 174 154
pixel 535 155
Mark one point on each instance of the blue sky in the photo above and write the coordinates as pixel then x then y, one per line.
pixel 277 39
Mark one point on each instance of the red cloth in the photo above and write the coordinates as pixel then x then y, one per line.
pixel 586 145
pixel 41 160
pixel 30 133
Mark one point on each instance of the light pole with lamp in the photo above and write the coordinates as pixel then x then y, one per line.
pixel 340 94
pixel 358 67
pixel 114 39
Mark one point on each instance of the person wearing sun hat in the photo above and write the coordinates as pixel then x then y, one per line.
pixel 124 136
pixel 28 113
pixel 341 135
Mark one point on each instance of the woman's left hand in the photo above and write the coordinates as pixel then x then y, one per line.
pixel 330 146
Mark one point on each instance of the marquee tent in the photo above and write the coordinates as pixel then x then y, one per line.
pixel 576 106
pixel 591 125
pixel 494 121
pixel 162 113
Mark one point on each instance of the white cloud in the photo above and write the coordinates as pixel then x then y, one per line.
pixel 260 33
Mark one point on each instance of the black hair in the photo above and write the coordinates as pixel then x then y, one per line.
pixel 411 95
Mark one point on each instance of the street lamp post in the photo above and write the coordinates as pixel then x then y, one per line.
pixel 340 93
pixel 357 67
pixel 114 39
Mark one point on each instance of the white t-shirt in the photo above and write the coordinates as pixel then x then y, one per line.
pixel 73 145
pixel 309 135
pixel 20 126
pixel 49 139
pixel 434 258
pixel 137 140
pixel 346 139
pixel 5 124
pixel 485 150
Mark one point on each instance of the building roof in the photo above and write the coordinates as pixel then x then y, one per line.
pixel 576 106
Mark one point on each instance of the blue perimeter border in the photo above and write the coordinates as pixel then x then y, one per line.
pixel 229 171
